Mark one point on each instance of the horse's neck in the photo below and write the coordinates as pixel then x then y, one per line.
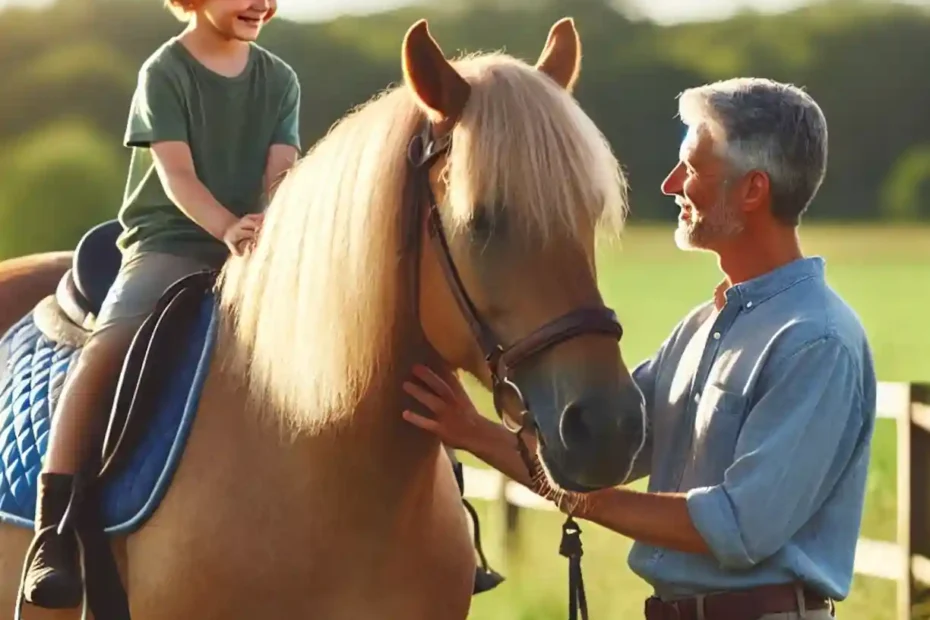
pixel 375 452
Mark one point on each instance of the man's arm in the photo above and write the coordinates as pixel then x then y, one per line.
pixel 797 441
pixel 660 519
pixel 794 445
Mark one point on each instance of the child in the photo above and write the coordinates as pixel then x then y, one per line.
pixel 213 124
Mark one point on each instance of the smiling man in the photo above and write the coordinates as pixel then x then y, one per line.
pixel 761 401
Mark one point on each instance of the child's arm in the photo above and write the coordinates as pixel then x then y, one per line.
pixel 285 146
pixel 280 159
pixel 158 121
pixel 175 167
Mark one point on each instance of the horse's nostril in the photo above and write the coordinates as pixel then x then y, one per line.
pixel 574 427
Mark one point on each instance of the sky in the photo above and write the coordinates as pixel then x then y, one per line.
pixel 665 11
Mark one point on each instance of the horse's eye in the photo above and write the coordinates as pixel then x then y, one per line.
pixel 486 221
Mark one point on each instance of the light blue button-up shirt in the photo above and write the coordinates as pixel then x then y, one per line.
pixel 761 407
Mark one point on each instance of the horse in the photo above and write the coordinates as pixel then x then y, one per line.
pixel 450 221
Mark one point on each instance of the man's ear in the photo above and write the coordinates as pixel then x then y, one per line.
pixel 756 191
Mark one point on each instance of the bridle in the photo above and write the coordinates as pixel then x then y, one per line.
pixel 423 151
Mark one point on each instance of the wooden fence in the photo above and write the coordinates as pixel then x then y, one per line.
pixel 905 561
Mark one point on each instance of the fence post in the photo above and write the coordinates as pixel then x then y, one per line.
pixel 914 505
pixel 511 517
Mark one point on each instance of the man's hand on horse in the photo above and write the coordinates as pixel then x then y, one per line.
pixel 455 420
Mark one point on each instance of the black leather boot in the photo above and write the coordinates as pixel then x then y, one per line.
pixel 53 580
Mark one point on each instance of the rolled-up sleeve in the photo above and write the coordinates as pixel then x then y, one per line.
pixel 794 445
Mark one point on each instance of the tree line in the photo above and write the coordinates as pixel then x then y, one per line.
pixel 69 71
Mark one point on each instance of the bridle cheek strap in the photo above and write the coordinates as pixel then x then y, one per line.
pixel 422 152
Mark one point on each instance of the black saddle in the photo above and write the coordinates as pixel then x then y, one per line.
pixel 96 262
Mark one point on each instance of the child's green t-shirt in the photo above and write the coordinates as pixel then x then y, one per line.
pixel 229 124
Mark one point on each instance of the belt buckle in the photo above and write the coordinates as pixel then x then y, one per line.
pixel 657 609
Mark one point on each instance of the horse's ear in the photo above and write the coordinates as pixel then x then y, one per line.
pixel 437 85
pixel 561 58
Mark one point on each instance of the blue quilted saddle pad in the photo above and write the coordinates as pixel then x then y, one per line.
pixel 33 370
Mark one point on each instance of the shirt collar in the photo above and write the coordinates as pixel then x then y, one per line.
pixel 754 292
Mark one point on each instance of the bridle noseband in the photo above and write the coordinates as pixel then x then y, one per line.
pixel 423 151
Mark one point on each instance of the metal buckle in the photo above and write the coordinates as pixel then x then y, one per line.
pixel 423 149
pixel 515 426
pixel 657 609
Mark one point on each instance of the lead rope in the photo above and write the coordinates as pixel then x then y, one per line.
pixel 570 546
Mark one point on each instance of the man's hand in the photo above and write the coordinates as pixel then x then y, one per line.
pixel 660 519
pixel 241 236
pixel 456 422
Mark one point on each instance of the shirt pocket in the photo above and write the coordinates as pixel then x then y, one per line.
pixel 717 423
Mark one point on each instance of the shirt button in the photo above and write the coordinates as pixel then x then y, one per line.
pixel 716 335
pixel 749 304
pixel 697 398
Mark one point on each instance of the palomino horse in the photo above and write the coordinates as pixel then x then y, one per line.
pixel 302 493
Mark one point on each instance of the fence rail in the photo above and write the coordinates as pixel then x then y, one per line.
pixel 905 561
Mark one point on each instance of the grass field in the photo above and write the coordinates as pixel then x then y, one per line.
pixel 884 273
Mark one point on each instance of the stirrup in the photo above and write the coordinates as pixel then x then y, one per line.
pixel 486 578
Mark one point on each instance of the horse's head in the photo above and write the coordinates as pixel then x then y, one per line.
pixel 508 253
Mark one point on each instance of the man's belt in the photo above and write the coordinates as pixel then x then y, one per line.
pixel 750 604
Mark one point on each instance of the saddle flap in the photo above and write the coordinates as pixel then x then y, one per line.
pixel 153 349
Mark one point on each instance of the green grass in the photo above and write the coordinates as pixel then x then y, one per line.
pixel 883 272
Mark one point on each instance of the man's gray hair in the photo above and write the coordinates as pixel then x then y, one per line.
pixel 764 125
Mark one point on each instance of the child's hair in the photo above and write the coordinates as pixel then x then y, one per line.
pixel 183 9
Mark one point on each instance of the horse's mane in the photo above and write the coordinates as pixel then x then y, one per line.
pixel 313 312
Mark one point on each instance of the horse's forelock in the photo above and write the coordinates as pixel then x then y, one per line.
pixel 314 311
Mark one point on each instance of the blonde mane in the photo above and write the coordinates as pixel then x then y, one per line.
pixel 314 312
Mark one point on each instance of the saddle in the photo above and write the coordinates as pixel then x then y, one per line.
pixel 155 402
pixel 80 295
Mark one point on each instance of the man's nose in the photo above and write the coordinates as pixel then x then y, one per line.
pixel 672 185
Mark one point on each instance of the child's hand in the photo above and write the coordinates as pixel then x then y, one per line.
pixel 455 420
pixel 241 236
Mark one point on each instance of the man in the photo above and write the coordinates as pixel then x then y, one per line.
pixel 761 402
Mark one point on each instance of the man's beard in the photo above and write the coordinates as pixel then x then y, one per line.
pixel 701 232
